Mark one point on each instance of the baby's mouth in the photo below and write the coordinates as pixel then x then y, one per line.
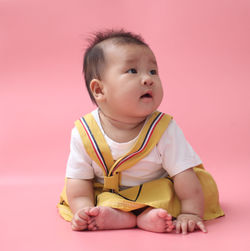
pixel 147 95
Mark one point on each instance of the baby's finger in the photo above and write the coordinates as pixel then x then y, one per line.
pixel 83 214
pixel 76 227
pixel 78 224
pixel 201 226
pixel 79 221
pixel 184 227
pixel 191 226
pixel 178 227
pixel 91 220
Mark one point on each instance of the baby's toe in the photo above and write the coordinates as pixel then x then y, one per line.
pixel 169 229
pixel 162 213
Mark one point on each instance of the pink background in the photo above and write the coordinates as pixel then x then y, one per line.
pixel 203 52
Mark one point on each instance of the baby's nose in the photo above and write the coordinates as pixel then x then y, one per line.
pixel 147 80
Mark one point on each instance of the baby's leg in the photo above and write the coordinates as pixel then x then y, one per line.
pixel 109 218
pixel 155 220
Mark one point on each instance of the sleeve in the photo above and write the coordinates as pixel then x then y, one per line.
pixel 79 165
pixel 176 153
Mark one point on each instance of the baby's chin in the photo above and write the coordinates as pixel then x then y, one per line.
pixel 147 109
pixel 144 114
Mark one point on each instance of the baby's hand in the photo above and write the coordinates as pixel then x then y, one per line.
pixel 188 223
pixel 80 219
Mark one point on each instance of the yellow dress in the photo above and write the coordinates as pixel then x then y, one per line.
pixel 157 193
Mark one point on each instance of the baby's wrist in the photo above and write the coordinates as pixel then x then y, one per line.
pixel 190 214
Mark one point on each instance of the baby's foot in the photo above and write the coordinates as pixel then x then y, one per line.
pixel 110 218
pixel 155 220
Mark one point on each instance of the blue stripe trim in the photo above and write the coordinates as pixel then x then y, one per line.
pixel 144 141
pixel 95 143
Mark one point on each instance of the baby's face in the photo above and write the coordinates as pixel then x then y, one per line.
pixel 132 86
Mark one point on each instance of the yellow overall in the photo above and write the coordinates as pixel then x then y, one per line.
pixel 157 193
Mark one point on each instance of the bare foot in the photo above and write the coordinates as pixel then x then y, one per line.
pixel 110 218
pixel 155 220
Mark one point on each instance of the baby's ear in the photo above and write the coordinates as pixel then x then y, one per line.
pixel 96 88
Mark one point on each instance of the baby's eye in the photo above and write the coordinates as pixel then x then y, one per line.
pixel 153 72
pixel 132 70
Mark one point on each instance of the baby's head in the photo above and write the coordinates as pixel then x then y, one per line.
pixel 120 71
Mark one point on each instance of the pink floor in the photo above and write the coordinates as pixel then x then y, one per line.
pixel 29 221
pixel 202 48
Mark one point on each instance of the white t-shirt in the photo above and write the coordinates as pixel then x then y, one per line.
pixel 172 155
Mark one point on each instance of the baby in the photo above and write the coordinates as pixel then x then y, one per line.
pixel 130 165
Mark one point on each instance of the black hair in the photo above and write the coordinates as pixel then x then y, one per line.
pixel 94 55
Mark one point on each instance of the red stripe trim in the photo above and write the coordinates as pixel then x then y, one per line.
pixel 86 130
pixel 133 154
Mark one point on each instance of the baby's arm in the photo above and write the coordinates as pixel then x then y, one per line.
pixel 188 189
pixel 80 195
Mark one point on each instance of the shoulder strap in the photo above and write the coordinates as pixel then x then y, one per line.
pixel 100 153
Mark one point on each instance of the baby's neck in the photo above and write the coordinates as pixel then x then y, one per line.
pixel 120 131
